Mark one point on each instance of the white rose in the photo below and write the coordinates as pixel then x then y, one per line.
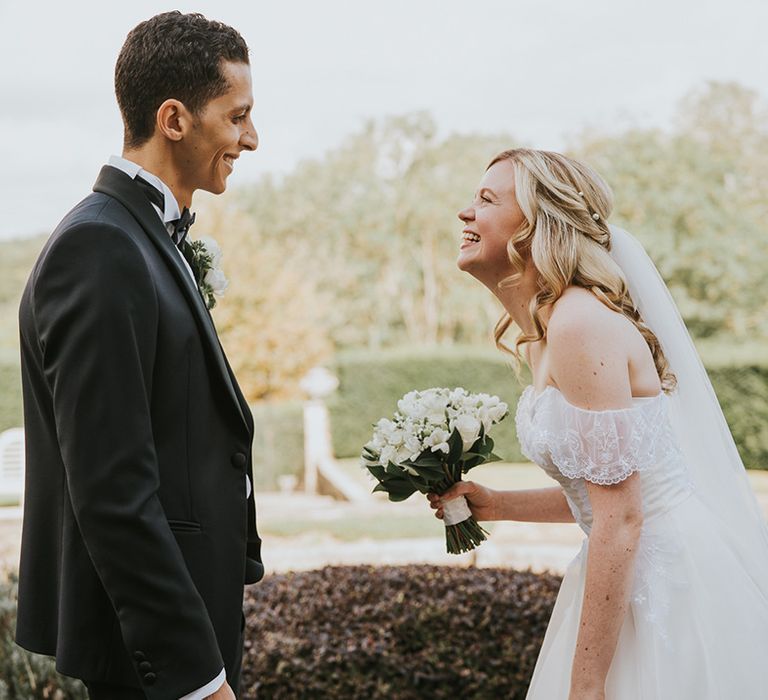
pixel 217 281
pixel 486 419
pixel 403 454
pixel 213 249
pixel 407 405
pixel 434 409
pixel 498 412
pixel 388 454
pixel 384 428
pixel 413 446
pixel 438 441
pixel 469 429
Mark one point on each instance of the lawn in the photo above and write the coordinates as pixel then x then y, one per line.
pixel 382 520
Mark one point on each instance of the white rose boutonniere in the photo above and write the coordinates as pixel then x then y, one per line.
pixel 205 260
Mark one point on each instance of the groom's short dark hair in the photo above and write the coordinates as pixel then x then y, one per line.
pixel 172 55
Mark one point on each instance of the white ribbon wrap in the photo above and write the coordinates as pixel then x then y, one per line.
pixel 456 511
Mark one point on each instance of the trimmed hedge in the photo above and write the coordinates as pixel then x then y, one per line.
pixel 401 633
pixel 10 395
pixel 371 384
pixel 743 395
pixel 278 445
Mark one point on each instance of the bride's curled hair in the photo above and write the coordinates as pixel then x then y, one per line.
pixel 566 205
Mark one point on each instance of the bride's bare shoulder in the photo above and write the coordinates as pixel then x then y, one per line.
pixel 589 347
pixel 578 312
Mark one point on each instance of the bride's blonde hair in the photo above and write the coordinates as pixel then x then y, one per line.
pixel 566 205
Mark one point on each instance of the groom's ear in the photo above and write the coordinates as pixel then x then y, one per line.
pixel 173 120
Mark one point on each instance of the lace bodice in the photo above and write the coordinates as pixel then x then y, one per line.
pixel 574 445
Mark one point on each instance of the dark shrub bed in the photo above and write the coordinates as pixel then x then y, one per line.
pixel 357 632
pixel 25 676
pixel 395 632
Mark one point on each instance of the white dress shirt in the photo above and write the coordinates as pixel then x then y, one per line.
pixel 172 213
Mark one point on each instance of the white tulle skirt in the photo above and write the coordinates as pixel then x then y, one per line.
pixel 697 627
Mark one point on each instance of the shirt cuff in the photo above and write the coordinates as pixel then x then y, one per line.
pixel 207 689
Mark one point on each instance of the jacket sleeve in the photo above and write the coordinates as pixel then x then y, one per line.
pixel 96 313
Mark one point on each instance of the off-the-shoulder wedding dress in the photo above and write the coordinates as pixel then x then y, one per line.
pixel 697 625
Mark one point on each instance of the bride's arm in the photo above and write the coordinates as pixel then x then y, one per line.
pixel 616 523
pixel 546 505
pixel 589 360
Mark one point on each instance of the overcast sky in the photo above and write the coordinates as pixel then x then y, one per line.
pixel 541 70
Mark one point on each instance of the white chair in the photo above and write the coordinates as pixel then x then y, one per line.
pixel 12 466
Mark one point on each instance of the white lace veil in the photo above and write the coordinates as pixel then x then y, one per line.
pixel 714 464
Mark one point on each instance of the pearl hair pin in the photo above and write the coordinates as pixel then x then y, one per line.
pixel 595 216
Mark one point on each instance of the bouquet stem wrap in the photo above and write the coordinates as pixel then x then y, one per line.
pixel 456 511
pixel 436 436
pixel 462 532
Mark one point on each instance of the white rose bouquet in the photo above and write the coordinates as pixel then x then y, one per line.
pixel 435 436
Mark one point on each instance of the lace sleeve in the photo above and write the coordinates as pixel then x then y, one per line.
pixel 605 447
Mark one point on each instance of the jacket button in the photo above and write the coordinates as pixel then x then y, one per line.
pixel 149 678
pixel 239 460
pixel 139 655
pixel 145 666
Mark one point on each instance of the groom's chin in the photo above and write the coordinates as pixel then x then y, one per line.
pixel 216 188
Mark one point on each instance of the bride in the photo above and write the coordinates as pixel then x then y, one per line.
pixel 668 597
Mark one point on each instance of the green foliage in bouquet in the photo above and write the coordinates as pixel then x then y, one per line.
pixel 436 436
pixel 431 474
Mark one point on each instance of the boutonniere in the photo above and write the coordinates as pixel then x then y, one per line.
pixel 204 257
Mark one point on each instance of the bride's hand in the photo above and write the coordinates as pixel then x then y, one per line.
pixel 481 500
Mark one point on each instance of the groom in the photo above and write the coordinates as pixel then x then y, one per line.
pixel 139 520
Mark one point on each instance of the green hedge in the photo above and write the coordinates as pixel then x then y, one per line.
pixel 371 383
pixel 10 395
pixel 395 632
pixel 743 395
pixel 278 444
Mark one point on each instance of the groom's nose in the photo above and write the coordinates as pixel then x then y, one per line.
pixel 249 139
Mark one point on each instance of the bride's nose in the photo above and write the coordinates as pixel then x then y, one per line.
pixel 467 214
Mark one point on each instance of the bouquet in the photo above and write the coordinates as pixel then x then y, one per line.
pixel 435 436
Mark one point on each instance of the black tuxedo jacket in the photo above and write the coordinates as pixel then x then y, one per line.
pixel 137 535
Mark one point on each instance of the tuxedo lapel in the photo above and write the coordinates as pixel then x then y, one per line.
pixel 117 184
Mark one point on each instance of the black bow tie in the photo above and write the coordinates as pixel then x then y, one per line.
pixel 180 225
